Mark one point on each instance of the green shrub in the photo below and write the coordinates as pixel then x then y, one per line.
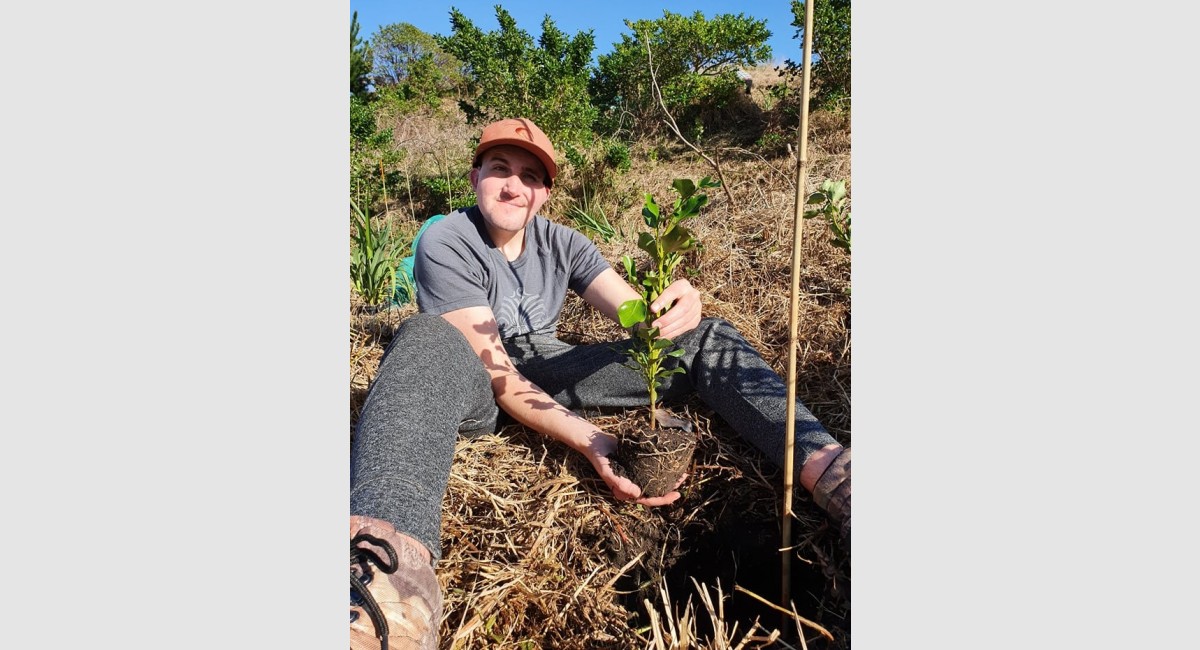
pixel 453 192
pixel 771 143
pixel 831 52
pixel 511 76
pixel 617 156
pixel 372 153
pixel 596 168
pixel 694 58
pixel 831 203
pixel 373 257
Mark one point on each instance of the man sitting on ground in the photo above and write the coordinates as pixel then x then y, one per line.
pixel 491 281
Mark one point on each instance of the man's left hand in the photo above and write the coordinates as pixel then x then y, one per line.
pixel 682 302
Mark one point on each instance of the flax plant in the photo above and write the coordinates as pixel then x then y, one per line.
pixel 373 259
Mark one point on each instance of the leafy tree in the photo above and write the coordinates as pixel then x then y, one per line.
pixel 360 61
pixel 372 152
pixel 831 50
pixel 508 75
pixel 408 58
pixel 694 60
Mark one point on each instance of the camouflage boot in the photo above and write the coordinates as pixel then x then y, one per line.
pixel 395 599
pixel 832 491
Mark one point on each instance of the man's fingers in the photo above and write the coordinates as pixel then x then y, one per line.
pixel 622 488
pixel 682 306
pixel 676 290
pixel 628 491
pixel 673 324
pixel 665 499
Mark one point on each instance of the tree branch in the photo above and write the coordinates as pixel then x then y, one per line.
pixel 670 122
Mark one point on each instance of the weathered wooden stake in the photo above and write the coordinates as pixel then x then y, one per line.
pixel 794 325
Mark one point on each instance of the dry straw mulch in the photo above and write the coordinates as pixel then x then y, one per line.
pixel 537 553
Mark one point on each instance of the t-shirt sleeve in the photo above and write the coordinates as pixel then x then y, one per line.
pixel 587 261
pixel 447 273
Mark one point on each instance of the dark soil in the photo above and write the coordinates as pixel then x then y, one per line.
pixel 655 457
pixel 725 531
pixel 738 548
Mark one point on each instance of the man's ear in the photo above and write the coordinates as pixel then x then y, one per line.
pixel 474 176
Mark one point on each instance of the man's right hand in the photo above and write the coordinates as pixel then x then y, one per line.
pixel 602 444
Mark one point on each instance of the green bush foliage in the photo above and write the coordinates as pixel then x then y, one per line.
pixel 831 52
pixel 451 192
pixel 411 67
pixel 596 167
pixel 360 61
pixel 372 152
pixel 831 203
pixel 771 143
pixel 511 76
pixel 617 156
pixel 694 60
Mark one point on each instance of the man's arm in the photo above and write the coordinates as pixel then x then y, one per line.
pixel 681 300
pixel 531 406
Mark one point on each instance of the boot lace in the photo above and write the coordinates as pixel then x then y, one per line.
pixel 358 584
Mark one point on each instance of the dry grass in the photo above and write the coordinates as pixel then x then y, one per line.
pixel 537 554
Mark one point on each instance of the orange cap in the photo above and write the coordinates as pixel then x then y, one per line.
pixel 523 133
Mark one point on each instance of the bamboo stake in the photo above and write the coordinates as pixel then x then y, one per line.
pixel 794 325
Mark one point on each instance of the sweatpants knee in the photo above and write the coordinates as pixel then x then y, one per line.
pixel 432 342
pixel 711 331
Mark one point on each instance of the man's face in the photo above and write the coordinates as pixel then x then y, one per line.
pixel 509 187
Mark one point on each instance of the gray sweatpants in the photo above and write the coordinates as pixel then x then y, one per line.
pixel 430 387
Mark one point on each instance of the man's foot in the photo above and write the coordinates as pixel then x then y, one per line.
pixel 395 599
pixel 832 491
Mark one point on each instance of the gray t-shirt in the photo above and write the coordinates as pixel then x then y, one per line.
pixel 457 265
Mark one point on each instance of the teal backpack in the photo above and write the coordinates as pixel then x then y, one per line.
pixel 406 287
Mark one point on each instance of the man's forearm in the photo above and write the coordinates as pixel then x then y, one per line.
pixel 519 397
pixel 532 407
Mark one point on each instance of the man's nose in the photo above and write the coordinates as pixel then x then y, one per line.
pixel 513 184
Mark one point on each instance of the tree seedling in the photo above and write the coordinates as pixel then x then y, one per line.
pixel 657 456
pixel 668 240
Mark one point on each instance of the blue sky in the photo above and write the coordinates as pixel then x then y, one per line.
pixel 604 18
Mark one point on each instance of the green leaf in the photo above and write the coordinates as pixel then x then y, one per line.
pixel 632 312
pixel 650 212
pixel 646 243
pixel 662 344
pixel 814 198
pixel 629 272
pixel 687 209
pixel 685 187
pixel 678 238
pixel 677 352
pixel 836 190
